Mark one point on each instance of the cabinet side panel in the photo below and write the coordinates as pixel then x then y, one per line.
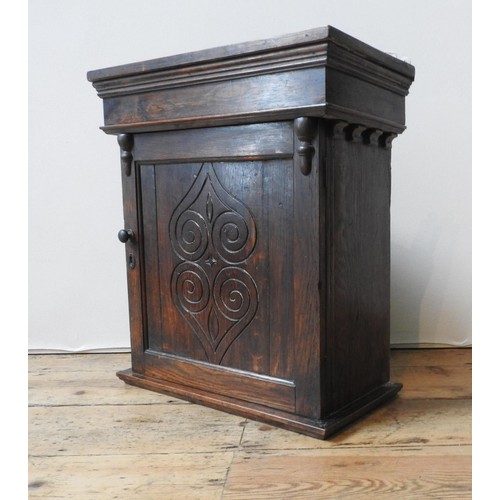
pixel 359 316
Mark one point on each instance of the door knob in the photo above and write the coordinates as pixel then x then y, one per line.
pixel 125 234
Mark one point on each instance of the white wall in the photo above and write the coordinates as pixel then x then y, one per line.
pixel 76 264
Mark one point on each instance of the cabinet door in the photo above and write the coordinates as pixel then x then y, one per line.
pixel 216 215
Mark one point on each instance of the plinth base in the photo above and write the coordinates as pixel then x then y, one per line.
pixel 320 429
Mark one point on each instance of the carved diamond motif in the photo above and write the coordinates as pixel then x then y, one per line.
pixel 213 235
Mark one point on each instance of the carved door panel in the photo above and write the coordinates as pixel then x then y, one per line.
pixel 218 258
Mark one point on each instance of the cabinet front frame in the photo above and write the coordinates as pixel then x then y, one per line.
pixel 262 141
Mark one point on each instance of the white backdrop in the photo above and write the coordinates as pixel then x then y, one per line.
pixel 77 285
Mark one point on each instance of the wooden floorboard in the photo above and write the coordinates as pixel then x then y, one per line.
pixel 91 436
pixel 139 476
pixel 371 476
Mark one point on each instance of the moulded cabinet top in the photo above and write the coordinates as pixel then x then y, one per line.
pixel 299 39
pixel 321 72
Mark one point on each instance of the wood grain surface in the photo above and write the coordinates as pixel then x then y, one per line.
pixel 224 150
pixel 93 437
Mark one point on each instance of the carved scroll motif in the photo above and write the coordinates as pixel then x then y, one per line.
pixel 355 133
pixel 372 136
pixel 386 140
pixel 213 234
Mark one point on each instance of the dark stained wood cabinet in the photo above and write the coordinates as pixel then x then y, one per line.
pixel 256 188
